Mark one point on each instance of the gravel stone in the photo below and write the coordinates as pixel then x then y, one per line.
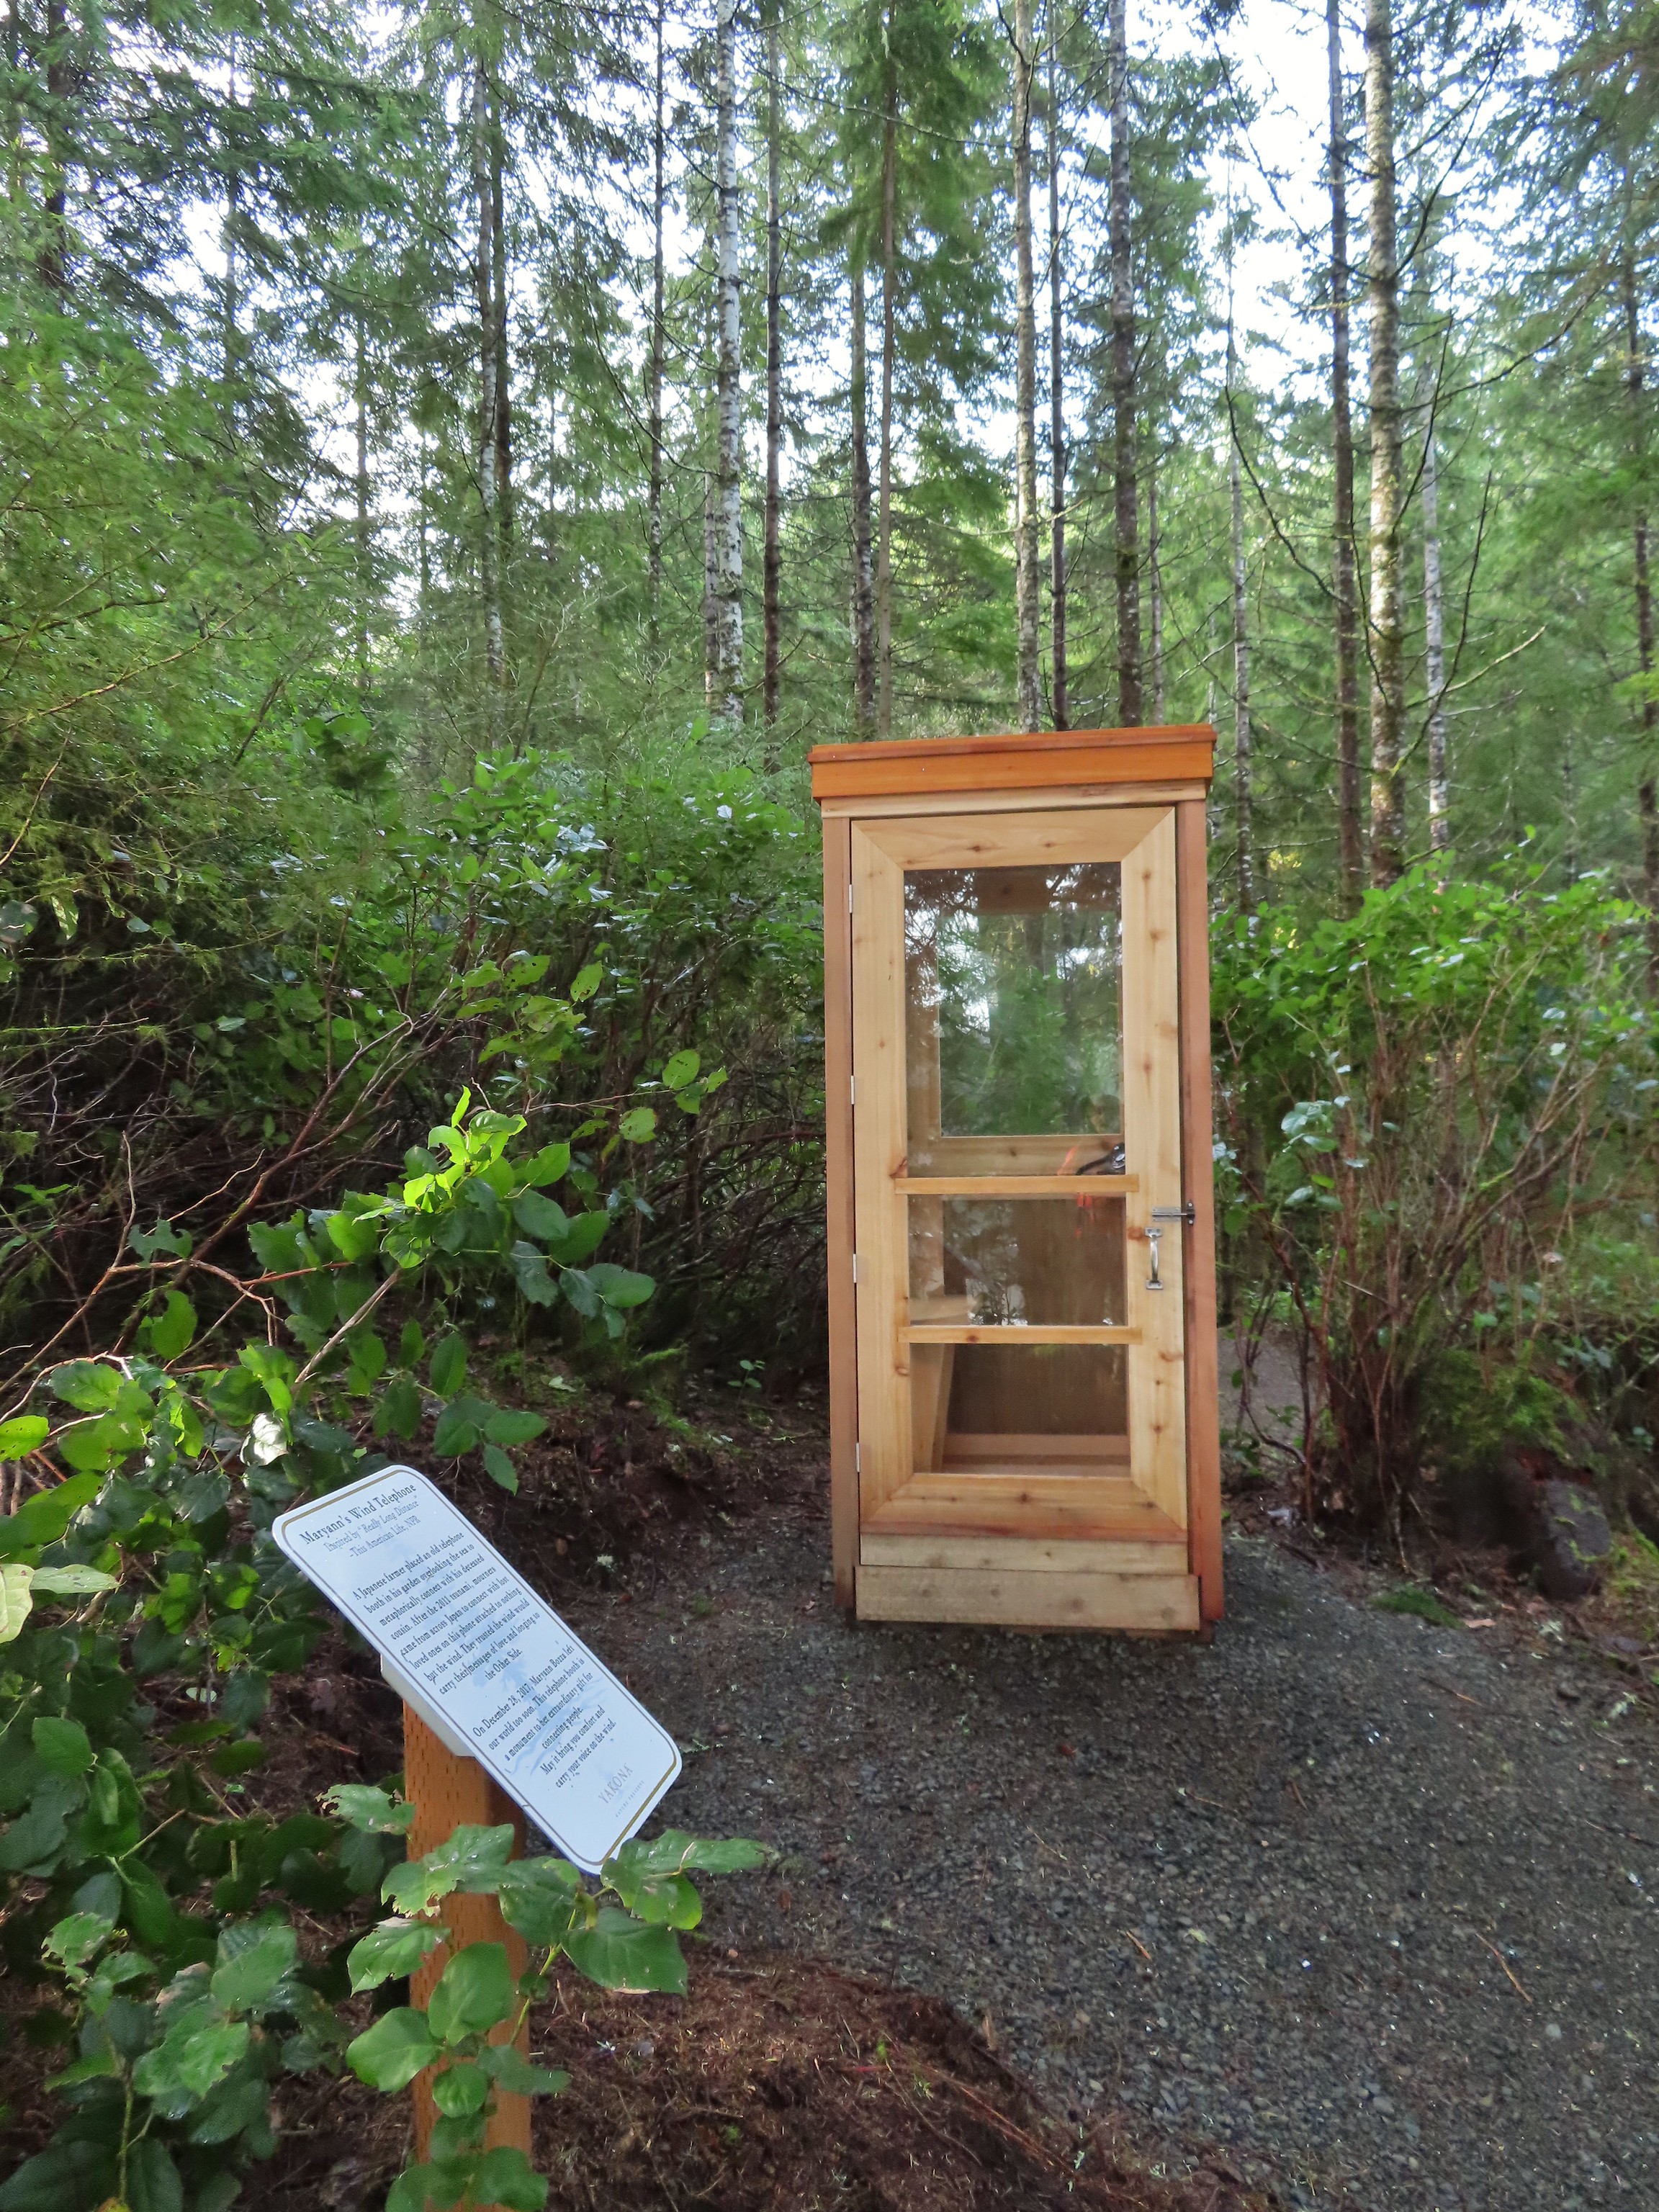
pixel 1343 1892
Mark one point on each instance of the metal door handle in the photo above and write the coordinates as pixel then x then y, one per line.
pixel 1154 1237
pixel 1187 1214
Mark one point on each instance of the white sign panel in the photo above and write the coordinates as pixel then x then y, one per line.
pixel 491 1660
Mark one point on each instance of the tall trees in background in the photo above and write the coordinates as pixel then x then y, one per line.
pixel 1351 845
pixel 1386 627
pixel 1125 502
pixel 1028 678
pixel 728 481
pixel 1060 692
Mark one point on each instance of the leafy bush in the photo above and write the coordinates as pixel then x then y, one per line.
pixel 127 1869
pixel 1420 1108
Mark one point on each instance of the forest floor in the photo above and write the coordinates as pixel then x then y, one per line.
pixel 1363 1900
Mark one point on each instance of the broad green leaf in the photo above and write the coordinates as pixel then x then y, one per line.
pixel 448 1368
pixel 460 1425
pixel 661 1900
pixel 191 2058
pixel 411 1344
pixel 418 2187
pixel 530 1274
pixel 512 1425
pixel 471 1860
pixel 550 1164
pixel 584 1236
pixel 78 1938
pixel 70 2173
pixel 508 2068
pixel 399 1414
pixel 539 1217
pixel 88 1385
pixel 73 1581
pixel 23 1434
pixel 248 1971
pixel 62 1747
pixel 500 1469
pixel 679 1068
pixel 43 1518
pixel 674 1852
pixel 153 2183
pixel 460 2090
pixel 173 1329
pixel 638 1126
pixel 475 1990
pixel 352 1237
pixel 15 1600
pixel 390 1952
pixel 621 1952
pixel 620 1286
pixel 368 1355
pixel 362 1805
pixel 540 1898
pixel 587 981
pixel 505 2175
pixel 389 2055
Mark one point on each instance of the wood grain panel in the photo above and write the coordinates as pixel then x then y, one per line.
pixel 1198 1179
pixel 1145 1604
pixel 1001 1554
pixel 1152 1137
pixel 938 1332
pixel 1017 1186
pixel 1011 762
pixel 874 806
pixel 1025 841
pixel 838 1190
pixel 1058 1502
pixel 878 1147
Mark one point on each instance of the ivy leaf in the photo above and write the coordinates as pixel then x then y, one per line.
pixel 389 2055
pixel 23 1434
pixel 621 1952
pixel 390 1952
pixel 539 1899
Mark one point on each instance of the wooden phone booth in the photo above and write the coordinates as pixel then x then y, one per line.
pixel 1022 1244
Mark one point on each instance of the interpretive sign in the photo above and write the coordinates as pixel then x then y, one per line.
pixel 498 1669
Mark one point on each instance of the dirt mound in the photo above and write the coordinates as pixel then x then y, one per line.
pixel 784 2085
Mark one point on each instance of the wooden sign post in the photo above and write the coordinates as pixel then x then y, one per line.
pixel 447 1792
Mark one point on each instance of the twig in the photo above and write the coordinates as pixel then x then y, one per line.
pixel 1508 1969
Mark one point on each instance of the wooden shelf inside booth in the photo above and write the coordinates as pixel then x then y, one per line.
pixel 1076 1503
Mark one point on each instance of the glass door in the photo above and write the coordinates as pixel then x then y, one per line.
pixel 1017 1175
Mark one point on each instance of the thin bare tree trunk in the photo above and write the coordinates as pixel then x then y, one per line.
pixel 52 262
pixel 1434 624
pixel 1124 501
pixel 484 456
pixel 653 388
pixel 864 592
pixel 884 504
pixel 771 572
pixel 1647 791
pixel 1243 793
pixel 498 292
pixel 1028 671
pixel 710 435
pixel 232 305
pixel 1351 826
pixel 1386 626
pixel 1155 586
pixel 365 576
pixel 728 502
pixel 1060 683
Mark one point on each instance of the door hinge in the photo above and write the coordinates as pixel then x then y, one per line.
pixel 849 898
pixel 855 1268
pixel 857 1454
pixel 852 1090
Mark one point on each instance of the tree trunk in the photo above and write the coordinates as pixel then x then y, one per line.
pixel 1028 673
pixel 1060 684
pixel 771 575
pixel 884 513
pixel 233 208
pixel 1125 501
pixel 1242 791
pixel 728 507
pixel 1155 586
pixel 1386 631
pixel 653 388
pixel 364 549
pixel 490 588
pixel 1647 790
pixel 1351 828
pixel 52 262
pixel 864 594
pixel 498 302
pixel 1434 624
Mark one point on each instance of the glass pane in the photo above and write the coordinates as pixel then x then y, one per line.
pixel 1004 1261
pixel 1013 1027
pixel 1055 1408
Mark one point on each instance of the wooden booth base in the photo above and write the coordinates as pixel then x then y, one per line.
pixel 1032 1598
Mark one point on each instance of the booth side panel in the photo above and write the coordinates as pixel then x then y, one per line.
pixel 1198 1177
pixel 838 1183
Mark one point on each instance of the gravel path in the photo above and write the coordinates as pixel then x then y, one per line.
pixel 1343 1887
